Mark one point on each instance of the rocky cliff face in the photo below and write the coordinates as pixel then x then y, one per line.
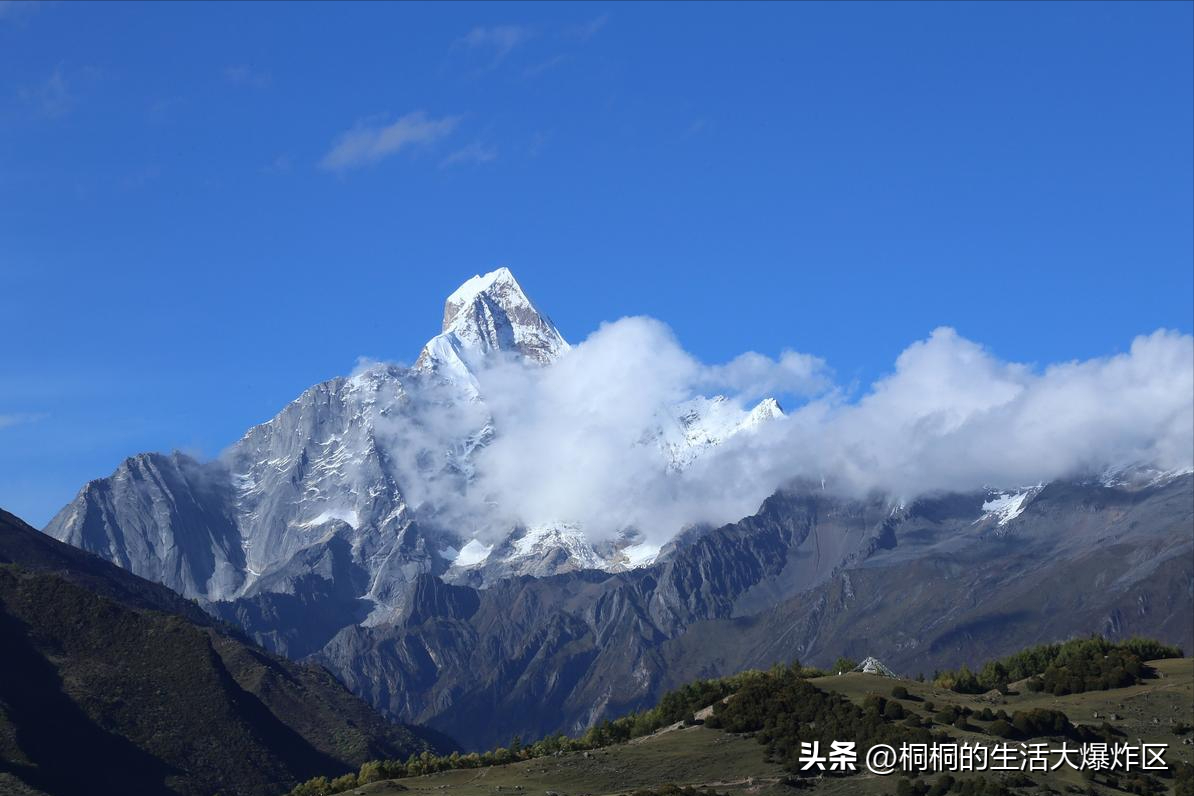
pixel 324 515
pixel 491 314
pixel 943 581
pixel 334 466
pixel 164 517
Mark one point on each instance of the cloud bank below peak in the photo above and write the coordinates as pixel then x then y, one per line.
pixel 573 440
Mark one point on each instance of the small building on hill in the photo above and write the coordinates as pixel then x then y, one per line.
pixel 874 666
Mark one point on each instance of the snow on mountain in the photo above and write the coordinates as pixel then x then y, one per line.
pixel 1140 475
pixel 765 411
pixel 1003 506
pixel 487 314
pixel 1006 506
pixel 474 552
pixel 547 549
pixel 339 480
pixel 687 432
pixel 540 540
pixel 639 555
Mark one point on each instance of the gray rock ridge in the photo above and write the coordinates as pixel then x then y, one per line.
pixel 257 520
pixel 167 518
pixel 930 585
pixel 365 460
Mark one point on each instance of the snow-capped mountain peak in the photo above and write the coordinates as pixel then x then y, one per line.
pixel 499 284
pixel 766 410
pixel 349 479
pixel 488 314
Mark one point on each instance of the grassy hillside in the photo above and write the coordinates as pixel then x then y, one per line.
pixel 1158 709
pixel 114 685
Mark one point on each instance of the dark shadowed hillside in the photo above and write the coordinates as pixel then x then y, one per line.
pixel 114 684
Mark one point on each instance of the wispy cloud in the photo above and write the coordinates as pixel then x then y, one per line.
pixel 368 143
pixel 242 75
pixel 474 153
pixel 17 9
pixel 584 31
pixel 52 97
pixel 497 41
pixel 544 66
pixel 21 418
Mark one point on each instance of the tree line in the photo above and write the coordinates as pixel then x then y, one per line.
pixel 1071 667
pixel 782 709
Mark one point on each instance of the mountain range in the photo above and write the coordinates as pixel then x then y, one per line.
pixel 331 533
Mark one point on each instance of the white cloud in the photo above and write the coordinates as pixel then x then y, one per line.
pixel 497 41
pixel 588 29
pixel 21 418
pixel 573 439
pixel 568 446
pixel 577 441
pixel 17 9
pixel 753 375
pixel 952 416
pixel 368 143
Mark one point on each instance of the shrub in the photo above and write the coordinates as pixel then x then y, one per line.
pixel 843 664
pixel 785 710
pixel 341 784
pixel 1183 779
pixel 1072 667
pixel 942 785
pixel 947 715
pixel 874 702
pixel 370 772
pixel 1001 729
pixel 1147 649
pixel 1041 721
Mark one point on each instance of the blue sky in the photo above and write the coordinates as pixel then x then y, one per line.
pixel 204 209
